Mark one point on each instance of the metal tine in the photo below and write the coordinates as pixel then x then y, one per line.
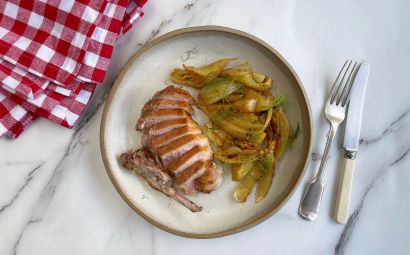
pixel 348 94
pixel 347 85
pixel 340 83
pixel 334 87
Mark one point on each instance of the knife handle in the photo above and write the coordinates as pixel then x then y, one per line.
pixel 343 193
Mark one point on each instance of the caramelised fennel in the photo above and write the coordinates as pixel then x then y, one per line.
pixel 246 123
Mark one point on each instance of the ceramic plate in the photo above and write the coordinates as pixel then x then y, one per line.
pixel 147 72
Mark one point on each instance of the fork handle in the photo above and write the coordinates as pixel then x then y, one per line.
pixel 309 207
pixel 329 141
pixel 310 204
pixel 343 192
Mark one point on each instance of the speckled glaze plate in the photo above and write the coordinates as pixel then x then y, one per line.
pixel 147 72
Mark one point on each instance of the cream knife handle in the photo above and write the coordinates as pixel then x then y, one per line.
pixel 343 192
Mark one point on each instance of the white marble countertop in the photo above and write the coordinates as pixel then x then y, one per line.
pixel 56 198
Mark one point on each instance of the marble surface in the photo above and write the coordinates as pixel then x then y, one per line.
pixel 55 197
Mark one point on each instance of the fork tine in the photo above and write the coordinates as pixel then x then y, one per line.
pixel 333 97
pixel 334 87
pixel 347 87
pixel 348 94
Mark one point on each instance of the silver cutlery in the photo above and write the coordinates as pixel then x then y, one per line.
pixel 335 111
pixel 351 143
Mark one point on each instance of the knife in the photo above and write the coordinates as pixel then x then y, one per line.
pixel 351 143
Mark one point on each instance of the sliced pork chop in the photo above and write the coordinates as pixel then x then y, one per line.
pixel 176 158
pixel 154 104
pixel 152 117
pixel 175 93
pixel 171 136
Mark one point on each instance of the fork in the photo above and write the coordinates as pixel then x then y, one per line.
pixel 335 111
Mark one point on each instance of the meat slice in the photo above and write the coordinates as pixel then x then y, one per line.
pixel 175 93
pixel 185 181
pixel 210 180
pixel 152 117
pixel 171 136
pixel 195 154
pixel 168 125
pixel 169 152
pixel 142 163
pixel 155 104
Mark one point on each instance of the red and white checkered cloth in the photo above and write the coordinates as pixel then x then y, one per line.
pixel 52 53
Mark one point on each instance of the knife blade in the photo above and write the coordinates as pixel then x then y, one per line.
pixel 354 115
pixel 351 143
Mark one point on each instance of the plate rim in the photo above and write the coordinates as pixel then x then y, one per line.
pixel 306 111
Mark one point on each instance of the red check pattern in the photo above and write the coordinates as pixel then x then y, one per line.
pixel 19 81
pixel 61 109
pixel 52 53
pixel 13 118
pixel 132 14
pixel 49 39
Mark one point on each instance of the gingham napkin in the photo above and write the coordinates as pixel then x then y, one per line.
pixel 52 54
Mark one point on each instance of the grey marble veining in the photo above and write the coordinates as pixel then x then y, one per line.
pixel 55 197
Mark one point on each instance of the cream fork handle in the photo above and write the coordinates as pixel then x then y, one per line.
pixel 344 190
